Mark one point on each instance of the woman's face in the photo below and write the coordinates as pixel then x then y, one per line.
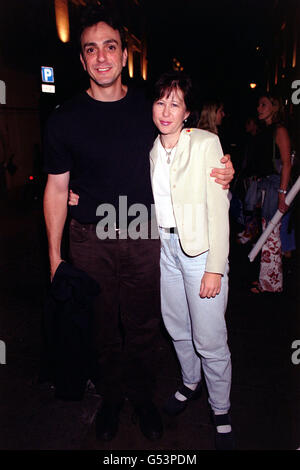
pixel 169 113
pixel 219 115
pixel 265 109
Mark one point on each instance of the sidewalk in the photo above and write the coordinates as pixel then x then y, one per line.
pixel 266 385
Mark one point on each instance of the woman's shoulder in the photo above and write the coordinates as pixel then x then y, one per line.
pixel 199 134
pixel 279 127
pixel 281 131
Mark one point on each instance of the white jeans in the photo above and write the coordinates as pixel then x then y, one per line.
pixel 197 326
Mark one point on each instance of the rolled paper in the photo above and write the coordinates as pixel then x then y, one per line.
pixel 274 221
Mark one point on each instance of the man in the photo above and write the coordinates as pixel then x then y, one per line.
pixel 98 144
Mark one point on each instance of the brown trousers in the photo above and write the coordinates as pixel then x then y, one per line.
pixel 127 311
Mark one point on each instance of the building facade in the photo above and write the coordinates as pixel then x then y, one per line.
pixel 35 34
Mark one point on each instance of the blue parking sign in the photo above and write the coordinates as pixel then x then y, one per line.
pixel 47 74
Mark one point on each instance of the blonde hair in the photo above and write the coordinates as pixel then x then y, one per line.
pixel 208 116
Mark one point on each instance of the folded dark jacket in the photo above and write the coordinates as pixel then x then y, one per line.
pixel 68 359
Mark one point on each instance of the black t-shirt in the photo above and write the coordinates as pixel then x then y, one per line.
pixel 105 146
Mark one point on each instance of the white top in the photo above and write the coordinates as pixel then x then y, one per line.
pixel 161 189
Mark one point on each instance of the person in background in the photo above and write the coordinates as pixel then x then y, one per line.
pixel 273 168
pixel 287 234
pixel 211 116
pixel 246 178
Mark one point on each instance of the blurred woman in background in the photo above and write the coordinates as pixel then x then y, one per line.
pixel 273 167
pixel 211 116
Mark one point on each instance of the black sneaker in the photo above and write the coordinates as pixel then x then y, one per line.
pixel 173 406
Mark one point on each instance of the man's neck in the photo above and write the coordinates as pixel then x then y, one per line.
pixel 114 92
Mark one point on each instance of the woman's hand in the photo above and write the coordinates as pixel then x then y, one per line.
pixel 210 285
pixel 282 206
pixel 224 175
pixel 73 198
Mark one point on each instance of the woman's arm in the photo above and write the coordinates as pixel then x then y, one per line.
pixel 217 206
pixel 283 142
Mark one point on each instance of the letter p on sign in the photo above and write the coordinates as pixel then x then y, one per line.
pixel 48 74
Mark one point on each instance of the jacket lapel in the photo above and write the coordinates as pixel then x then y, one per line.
pixel 183 148
pixel 154 155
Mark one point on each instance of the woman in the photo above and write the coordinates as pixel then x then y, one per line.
pixel 192 215
pixel 273 168
pixel 211 116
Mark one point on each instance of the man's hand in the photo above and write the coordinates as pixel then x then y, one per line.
pixel 53 267
pixel 224 175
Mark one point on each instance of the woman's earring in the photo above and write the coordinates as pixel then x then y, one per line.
pixel 185 120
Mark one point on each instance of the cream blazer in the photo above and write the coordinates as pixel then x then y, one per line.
pixel 200 204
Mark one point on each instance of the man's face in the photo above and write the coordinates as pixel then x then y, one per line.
pixel 102 56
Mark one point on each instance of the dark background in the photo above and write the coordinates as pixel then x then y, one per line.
pixel 215 41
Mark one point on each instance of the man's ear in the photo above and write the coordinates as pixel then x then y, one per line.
pixel 82 61
pixel 125 56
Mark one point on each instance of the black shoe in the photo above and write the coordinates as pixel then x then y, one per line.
pixel 223 441
pixel 150 421
pixel 107 421
pixel 173 406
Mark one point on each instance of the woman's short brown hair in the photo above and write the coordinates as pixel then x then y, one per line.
pixel 170 81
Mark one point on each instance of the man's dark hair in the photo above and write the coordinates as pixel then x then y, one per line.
pixel 93 14
pixel 169 81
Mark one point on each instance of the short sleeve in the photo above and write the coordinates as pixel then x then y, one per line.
pixel 57 157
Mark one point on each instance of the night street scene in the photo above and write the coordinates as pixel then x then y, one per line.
pixel 74 379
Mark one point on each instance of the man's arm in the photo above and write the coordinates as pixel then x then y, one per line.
pixel 224 175
pixel 55 212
